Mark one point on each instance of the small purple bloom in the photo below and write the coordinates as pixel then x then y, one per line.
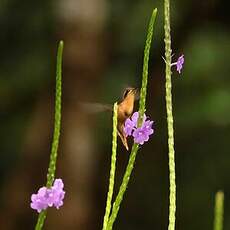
pixel 129 126
pixel 48 197
pixel 39 200
pixel 135 117
pixel 131 123
pixel 140 134
pixel 58 193
pixel 147 126
pixel 179 63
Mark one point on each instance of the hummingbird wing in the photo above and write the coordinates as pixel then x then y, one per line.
pixel 95 107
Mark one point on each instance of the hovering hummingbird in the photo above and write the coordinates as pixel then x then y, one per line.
pixel 124 110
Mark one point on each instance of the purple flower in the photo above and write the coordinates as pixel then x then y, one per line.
pixel 129 126
pixel 48 197
pixel 131 123
pixel 179 63
pixel 39 200
pixel 140 134
pixel 58 193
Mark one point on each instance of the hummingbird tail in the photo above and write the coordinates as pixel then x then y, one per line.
pixel 124 140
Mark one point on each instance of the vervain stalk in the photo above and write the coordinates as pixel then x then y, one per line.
pixel 219 211
pixel 56 134
pixel 168 98
pixel 123 187
pixel 145 70
pixel 129 168
pixel 112 168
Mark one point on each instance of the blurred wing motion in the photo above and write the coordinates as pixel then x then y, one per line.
pixel 94 107
pixel 125 110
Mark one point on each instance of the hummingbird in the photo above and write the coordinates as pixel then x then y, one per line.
pixel 124 110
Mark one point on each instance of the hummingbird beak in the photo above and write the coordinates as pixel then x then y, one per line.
pixel 137 93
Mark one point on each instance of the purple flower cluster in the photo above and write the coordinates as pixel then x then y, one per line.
pixel 48 197
pixel 140 134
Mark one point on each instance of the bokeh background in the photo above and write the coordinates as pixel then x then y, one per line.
pixel 103 53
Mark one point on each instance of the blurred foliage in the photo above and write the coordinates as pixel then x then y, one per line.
pixel 201 96
pixel 26 35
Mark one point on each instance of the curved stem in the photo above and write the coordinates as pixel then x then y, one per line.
pixel 123 187
pixel 56 134
pixel 112 169
pixel 132 157
pixel 143 91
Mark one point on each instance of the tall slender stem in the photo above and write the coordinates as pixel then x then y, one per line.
pixel 57 118
pixel 56 134
pixel 219 211
pixel 123 187
pixel 145 71
pixel 112 168
pixel 168 98
pixel 132 157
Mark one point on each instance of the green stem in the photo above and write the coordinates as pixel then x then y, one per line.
pixel 132 158
pixel 143 91
pixel 219 211
pixel 57 118
pixel 112 169
pixel 56 134
pixel 123 187
pixel 168 98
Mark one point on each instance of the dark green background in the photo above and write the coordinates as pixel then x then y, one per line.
pixel 201 104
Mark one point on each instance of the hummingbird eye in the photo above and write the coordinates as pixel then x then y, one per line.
pixel 126 93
